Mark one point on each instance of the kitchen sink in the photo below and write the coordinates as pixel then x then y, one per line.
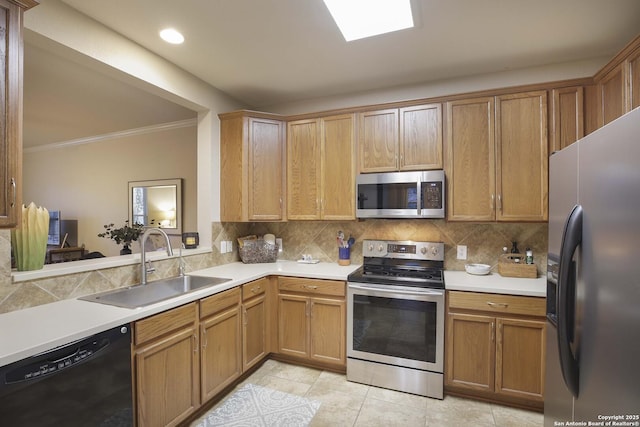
pixel 158 290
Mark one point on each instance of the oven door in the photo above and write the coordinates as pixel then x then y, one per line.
pixel 396 325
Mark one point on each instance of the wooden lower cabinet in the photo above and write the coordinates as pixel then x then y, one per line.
pixel 495 347
pixel 254 322
pixel 167 367
pixel 312 320
pixel 221 336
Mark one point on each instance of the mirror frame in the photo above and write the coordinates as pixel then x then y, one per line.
pixel 177 182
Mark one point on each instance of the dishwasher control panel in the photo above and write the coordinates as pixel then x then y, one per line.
pixel 56 362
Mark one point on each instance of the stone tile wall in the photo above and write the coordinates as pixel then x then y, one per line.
pixel 484 243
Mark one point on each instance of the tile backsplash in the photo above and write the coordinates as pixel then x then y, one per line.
pixel 484 243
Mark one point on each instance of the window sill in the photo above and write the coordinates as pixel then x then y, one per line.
pixel 64 268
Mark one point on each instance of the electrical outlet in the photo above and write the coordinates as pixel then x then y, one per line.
pixel 229 245
pixel 279 243
pixel 223 246
pixel 462 252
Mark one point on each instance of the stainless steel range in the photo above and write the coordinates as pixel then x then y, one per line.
pixel 395 317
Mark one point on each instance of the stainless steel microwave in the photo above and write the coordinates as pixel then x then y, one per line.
pixel 400 195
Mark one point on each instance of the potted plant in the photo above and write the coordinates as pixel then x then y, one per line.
pixel 125 235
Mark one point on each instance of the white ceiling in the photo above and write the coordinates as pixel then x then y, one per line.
pixel 267 52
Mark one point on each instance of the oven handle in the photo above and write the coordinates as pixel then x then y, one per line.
pixel 423 292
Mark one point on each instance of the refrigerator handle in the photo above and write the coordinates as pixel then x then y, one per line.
pixel 571 239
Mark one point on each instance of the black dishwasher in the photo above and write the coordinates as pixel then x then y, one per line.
pixel 84 383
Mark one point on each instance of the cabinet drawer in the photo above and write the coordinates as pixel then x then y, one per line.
pixel 255 288
pixel 312 286
pixel 497 303
pixel 218 302
pixel 163 323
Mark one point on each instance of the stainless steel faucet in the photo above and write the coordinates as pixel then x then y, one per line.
pixel 143 256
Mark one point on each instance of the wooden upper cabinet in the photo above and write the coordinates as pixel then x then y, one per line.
pixel 378 140
pixel 497 158
pixel 11 110
pixel 338 185
pixel 303 169
pixel 321 168
pixel 522 157
pixel 470 166
pixel 252 167
pixel 421 137
pixel 612 95
pixel 567 124
pixel 408 138
pixel 633 78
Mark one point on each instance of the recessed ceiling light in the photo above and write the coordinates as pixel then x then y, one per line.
pixel 358 19
pixel 171 36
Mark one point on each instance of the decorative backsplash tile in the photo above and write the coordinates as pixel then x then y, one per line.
pixel 484 243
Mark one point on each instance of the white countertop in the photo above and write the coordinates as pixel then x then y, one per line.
pixel 24 333
pixel 495 283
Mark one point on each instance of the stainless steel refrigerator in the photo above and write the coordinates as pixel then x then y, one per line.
pixel 593 272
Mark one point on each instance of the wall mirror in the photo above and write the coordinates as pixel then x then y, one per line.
pixel 156 203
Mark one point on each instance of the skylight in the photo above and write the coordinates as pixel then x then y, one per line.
pixel 358 19
pixel 171 36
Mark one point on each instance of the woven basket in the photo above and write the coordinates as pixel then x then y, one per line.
pixel 508 267
pixel 258 251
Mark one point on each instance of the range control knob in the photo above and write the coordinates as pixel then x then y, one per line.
pixel 423 250
pixel 380 248
pixel 434 250
pixel 370 247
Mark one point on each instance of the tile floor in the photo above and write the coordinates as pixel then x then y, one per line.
pixel 346 403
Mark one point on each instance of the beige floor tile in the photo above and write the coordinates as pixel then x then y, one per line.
pixel 337 400
pixel 281 384
pixel 300 374
pixel 455 411
pixel 329 417
pixel 378 413
pixel 339 382
pixel 511 417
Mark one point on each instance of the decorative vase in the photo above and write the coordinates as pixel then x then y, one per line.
pixel 29 240
pixel 126 250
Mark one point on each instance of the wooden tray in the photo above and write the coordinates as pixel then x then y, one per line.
pixel 508 267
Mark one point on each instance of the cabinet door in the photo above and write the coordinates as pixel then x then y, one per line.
pixel 634 80
pixel 612 95
pixel 293 327
pixel 520 358
pixel 378 140
pixel 522 157
pixel 221 355
pixel 327 333
pixel 255 329
pixel 338 200
pixel 303 169
pixel 167 386
pixel 10 114
pixel 470 168
pixel 265 169
pixel 568 117
pixel 470 351
pixel 421 137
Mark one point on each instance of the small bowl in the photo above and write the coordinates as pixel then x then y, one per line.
pixel 477 269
